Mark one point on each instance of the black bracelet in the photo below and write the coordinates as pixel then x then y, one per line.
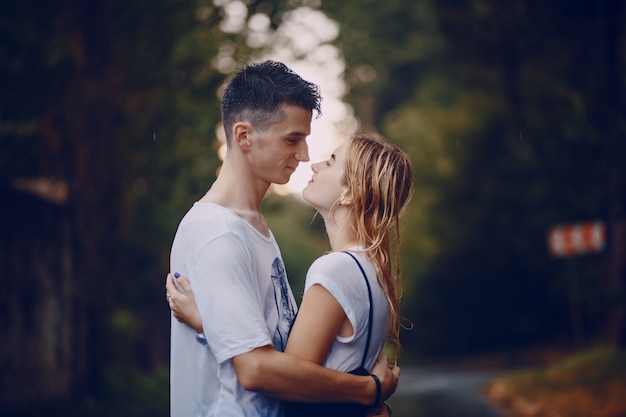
pixel 379 390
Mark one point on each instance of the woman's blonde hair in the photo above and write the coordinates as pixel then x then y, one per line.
pixel 379 181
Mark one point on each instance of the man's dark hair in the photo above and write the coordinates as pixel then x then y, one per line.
pixel 257 92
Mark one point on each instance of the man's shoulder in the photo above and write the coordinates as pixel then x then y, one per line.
pixel 214 225
pixel 218 218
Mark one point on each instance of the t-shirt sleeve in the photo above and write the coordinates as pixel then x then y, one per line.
pixel 227 293
pixel 341 277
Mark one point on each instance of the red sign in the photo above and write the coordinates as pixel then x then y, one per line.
pixel 576 239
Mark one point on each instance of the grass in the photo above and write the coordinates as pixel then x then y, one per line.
pixel 591 383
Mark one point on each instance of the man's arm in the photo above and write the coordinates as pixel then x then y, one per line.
pixel 289 378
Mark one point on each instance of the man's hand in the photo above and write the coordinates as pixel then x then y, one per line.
pixel 183 303
pixel 389 376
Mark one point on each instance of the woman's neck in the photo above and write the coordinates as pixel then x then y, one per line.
pixel 340 233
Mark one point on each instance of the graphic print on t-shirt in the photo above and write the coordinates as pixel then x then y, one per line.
pixel 286 312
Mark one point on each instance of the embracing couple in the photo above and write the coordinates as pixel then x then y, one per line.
pixel 239 344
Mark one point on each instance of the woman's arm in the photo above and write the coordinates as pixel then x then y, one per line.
pixel 319 320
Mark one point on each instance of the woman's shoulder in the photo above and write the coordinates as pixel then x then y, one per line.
pixel 334 263
pixel 332 259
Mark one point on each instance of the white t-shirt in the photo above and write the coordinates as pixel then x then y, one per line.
pixel 245 302
pixel 340 275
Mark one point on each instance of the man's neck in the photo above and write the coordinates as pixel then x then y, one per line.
pixel 241 194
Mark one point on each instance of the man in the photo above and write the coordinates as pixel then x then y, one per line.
pixel 224 246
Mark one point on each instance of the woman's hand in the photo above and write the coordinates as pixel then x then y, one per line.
pixel 182 303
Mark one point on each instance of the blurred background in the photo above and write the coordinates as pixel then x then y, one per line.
pixel 513 113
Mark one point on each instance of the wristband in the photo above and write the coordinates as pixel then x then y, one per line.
pixel 378 390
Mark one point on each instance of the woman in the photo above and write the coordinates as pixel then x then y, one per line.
pixel 352 294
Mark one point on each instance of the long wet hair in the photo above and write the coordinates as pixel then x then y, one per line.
pixel 379 181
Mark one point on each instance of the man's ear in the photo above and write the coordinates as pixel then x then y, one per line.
pixel 241 133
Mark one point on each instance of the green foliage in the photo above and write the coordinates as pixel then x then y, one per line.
pixel 136 393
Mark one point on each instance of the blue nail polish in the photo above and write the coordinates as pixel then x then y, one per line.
pixel 176 275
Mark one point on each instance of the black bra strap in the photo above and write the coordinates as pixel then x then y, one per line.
pixel 371 313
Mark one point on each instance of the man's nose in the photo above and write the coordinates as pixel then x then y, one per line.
pixel 303 152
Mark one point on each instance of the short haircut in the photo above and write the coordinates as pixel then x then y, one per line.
pixel 257 93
